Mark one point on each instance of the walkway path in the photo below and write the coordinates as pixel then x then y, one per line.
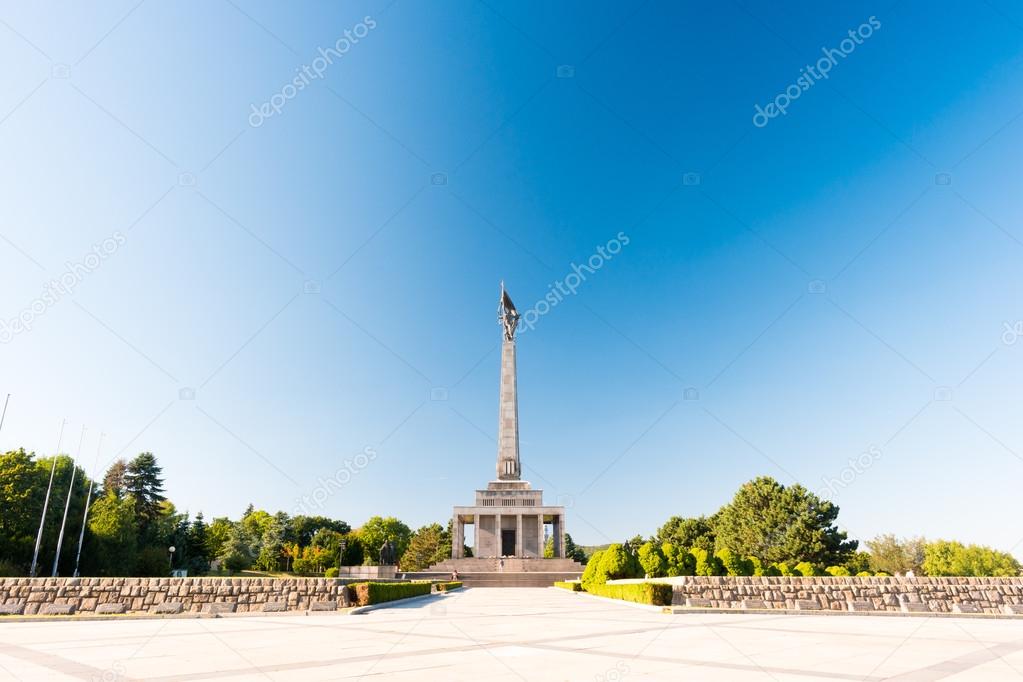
pixel 516 634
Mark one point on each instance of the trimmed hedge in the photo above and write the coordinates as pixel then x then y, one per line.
pixel 377 593
pixel 449 585
pixel 573 586
pixel 657 594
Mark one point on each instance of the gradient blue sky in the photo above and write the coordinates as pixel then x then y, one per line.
pixel 108 111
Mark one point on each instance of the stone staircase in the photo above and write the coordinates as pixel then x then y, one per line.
pixel 509 572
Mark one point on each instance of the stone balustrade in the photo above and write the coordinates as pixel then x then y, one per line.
pixel 87 595
pixel 915 595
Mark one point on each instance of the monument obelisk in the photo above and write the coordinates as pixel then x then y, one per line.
pixel 509 519
pixel 509 467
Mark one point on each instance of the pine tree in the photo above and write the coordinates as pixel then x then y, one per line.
pixel 114 479
pixel 143 482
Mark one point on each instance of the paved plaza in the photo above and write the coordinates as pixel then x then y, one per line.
pixel 516 634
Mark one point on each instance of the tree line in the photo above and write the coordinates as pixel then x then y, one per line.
pixel 132 526
pixel 772 529
pixel 766 529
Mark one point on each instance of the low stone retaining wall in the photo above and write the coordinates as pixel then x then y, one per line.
pixel 150 595
pixel 939 595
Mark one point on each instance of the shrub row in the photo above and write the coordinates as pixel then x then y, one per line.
pixel 449 585
pixel 573 586
pixel 377 593
pixel 642 593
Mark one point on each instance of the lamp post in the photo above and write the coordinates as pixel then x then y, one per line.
pixel 341 555
pixel 171 551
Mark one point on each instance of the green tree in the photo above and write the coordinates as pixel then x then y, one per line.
pixel 426 548
pixel 143 482
pixel 236 554
pixel 377 529
pixel 857 562
pixel 271 544
pixel 62 482
pixel 217 534
pixel 153 562
pixel 198 544
pixel 354 554
pixel 774 522
pixel 112 522
pixel 19 513
pixel 950 558
pixel 894 556
pixel 329 543
pixel 572 550
pixel 115 480
pixel 303 528
pixel 687 533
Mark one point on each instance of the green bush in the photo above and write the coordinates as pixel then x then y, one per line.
pixel 652 560
pixel 448 585
pixel 618 563
pixel 677 560
pixel 641 593
pixel 805 568
pixel 837 571
pixel 331 572
pixel 782 568
pixel 882 574
pixel 734 564
pixel 591 572
pixel 756 565
pixel 378 593
pixel 706 563
pixel 611 564
pixel 864 574
pixel 572 586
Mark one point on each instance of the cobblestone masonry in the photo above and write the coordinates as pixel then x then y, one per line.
pixel 143 594
pixel 990 595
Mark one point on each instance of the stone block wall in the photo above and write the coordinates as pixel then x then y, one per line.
pixel 988 595
pixel 144 594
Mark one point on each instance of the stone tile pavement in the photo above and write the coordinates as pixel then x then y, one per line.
pixel 516 634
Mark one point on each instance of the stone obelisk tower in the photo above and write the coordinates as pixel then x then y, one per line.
pixel 509 468
pixel 509 520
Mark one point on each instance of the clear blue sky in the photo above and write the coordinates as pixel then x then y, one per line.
pixel 819 280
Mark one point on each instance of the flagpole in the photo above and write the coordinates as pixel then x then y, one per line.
pixel 88 498
pixel 2 416
pixel 46 502
pixel 67 505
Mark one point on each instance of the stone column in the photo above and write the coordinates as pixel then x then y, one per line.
pixel 508 466
pixel 561 536
pixel 459 537
pixel 497 535
pixel 539 536
pixel 518 535
pixel 476 535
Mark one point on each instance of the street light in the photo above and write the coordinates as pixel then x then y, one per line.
pixel 171 550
